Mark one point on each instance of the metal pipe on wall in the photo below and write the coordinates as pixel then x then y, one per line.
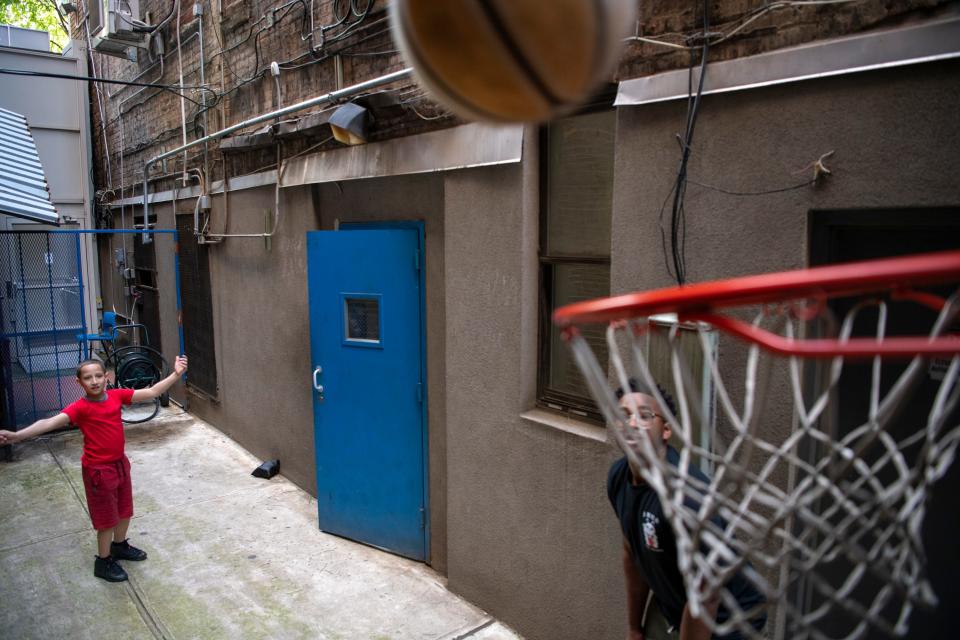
pixel 198 11
pixel 183 100
pixel 306 104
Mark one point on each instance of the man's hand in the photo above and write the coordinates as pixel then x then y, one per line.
pixel 180 365
pixel 9 437
pixel 635 635
pixel 694 628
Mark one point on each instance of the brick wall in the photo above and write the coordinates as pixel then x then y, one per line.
pixel 141 123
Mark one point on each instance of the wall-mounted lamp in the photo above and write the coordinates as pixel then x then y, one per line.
pixel 349 124
pixel 68 7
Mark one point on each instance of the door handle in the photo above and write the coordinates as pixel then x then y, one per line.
pixel 316 381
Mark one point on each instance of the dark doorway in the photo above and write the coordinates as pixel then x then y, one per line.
pixel 845 236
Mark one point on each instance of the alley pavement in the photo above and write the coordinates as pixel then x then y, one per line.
pixel 231 556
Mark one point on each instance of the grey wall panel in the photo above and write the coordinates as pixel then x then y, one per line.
pixel 531 539
pixel 47 102
pixel 60 152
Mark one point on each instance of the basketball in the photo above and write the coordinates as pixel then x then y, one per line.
pixel 511 60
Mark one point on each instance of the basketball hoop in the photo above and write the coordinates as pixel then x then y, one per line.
pixel 820 509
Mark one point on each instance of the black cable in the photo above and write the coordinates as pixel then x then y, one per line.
pixel 753 193
pixel 289 65
pixel 165 87
pixel 677 216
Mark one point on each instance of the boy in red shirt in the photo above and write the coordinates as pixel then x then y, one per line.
pixel 106 470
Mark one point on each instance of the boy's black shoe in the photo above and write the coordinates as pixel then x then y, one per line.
pixel 125 551
pixel 108 569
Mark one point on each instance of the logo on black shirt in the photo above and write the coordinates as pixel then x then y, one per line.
pixel 650 523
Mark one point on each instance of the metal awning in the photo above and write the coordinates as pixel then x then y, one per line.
pixel 23 187
pixel 881 49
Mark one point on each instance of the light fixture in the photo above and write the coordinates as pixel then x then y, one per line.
pixel 68 7
pixel 349 124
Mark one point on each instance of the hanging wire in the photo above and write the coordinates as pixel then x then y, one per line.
pixel 677 216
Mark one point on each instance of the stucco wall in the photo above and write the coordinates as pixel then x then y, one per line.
pixel 261 332
pixel 894 135
pixel 530 537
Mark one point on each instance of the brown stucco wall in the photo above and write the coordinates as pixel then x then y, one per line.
pixel 531 538
pixel 261 332
pixel 894 134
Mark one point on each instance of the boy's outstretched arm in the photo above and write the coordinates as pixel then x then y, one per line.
pixel 157 390
pixel 39 427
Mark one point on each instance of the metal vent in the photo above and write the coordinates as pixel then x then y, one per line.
pixel 23 187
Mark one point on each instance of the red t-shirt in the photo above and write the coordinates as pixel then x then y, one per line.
pixel 101 426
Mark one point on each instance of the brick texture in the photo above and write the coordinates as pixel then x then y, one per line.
pixel 241 39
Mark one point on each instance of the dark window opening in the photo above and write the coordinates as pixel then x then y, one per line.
pixel 362 319
pixel 197 309
pixel 576 196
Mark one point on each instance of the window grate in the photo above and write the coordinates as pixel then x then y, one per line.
pixel 197 309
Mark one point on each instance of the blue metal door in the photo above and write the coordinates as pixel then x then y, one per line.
pixel 366 332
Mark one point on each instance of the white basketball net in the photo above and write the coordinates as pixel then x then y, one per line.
pixel 836 532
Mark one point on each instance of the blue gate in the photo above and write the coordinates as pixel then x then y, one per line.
pixel 41 313
pixel 42 317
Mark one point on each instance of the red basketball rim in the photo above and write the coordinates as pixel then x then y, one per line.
pixel 853 278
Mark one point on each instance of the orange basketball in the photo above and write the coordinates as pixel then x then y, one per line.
pixel 511 60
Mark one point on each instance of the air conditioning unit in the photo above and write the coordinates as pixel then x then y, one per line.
pixel 112 26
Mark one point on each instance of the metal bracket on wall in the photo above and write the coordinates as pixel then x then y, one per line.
pixel 266 227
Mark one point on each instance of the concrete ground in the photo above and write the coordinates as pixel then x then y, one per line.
pixel 230 555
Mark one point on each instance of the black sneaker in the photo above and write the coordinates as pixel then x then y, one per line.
pixel 108 569
pixel 125 551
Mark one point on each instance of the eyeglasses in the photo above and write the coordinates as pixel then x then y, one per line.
pixel 643 414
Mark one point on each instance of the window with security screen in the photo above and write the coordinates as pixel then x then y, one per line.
pixel 197 309
pixel 576 199
pixel 361 320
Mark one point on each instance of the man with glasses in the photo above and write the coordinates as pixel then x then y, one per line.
pixel 649 546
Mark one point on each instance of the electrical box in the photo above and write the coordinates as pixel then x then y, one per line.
pixel 113 25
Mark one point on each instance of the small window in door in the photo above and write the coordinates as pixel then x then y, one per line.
pixel 361 320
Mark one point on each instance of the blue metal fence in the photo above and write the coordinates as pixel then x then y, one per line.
pixel 43 319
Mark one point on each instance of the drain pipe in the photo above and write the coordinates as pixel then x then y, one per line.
pixel 306 104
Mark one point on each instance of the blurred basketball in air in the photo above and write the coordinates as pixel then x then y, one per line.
pixel 511 60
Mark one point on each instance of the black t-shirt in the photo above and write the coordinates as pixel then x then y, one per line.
pixel 654 549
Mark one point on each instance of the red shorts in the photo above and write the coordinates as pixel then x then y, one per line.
pixel 109 493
